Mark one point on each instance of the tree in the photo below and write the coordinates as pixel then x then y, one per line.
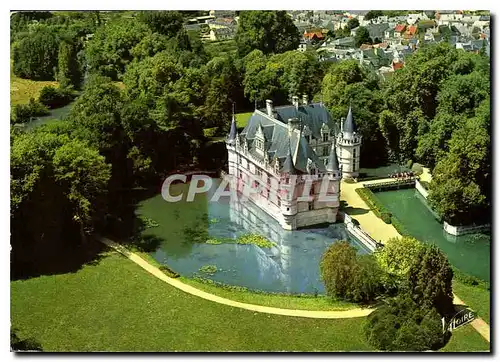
pixel 402 325
pixel 396 258
pixel 35 56
pixel 58 189
pixel 268 31
pixel 69 72
pixel 352 23
pixel 347 84
pixel 460 191
pixel 373 14
pixel 362 36
pixel 109 50
pixel 429 280
pixel 167 23
pixel 348 276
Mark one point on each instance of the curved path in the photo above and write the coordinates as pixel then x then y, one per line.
pixel 352 313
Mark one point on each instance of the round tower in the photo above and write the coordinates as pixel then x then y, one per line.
pixel 348 148
pixel 288 203
pixel 333 190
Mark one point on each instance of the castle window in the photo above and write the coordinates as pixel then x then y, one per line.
pixel 308 138
pixel 325 137
pixel 325 151
pixel 311 205
pixel 354 153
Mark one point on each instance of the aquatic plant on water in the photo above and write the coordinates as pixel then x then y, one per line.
pixel 148 222
pixel 247 239
pixel 208 269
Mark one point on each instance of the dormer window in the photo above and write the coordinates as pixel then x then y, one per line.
pixel 259 140
pixel 325 137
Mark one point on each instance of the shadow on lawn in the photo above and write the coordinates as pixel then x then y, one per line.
pixel 23 345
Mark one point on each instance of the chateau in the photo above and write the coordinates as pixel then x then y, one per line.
pixel 299 140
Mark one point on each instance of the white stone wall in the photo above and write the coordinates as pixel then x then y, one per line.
pixel 462 230
pixel 346 159
pixel 421 189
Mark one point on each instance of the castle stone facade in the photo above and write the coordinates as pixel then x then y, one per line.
pixel 297 142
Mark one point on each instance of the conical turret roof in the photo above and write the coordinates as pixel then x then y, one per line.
pixel 233 131
pixel 333 164
pixel 349 126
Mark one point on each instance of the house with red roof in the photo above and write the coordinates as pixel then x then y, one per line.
pixel 397 65
pixel 315 35
pixel 411 31
pixel 399 30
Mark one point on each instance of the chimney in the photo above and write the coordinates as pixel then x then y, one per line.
pixel 293 123
pixel 295 101
pixel 305 100
pixel 269 107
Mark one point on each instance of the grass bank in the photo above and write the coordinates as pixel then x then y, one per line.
pixel 117 306
pixel 475 297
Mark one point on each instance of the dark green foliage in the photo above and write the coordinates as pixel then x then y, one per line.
pixel 69 72
pixel 386 217
pixel 22 113
pixel 401 325
pixel 346 83
pixel 35 56
pixel 109 50
pixel 429 280
pixel 58 188
pixel 268 31
pixel 167 23
pixel 373 14
pixel 282 76
pixel 362 36
pixel 350 276
pixel 352 23
pixel 55 97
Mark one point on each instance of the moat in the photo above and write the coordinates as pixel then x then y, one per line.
pixel 291 266
pixel 469 253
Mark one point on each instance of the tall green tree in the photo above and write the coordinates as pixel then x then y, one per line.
pixel 429 280
pixel 69 72
pixel 35 56
pixel 268 31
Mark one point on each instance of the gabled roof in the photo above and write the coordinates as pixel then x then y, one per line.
pixel 313 34
pixel 412 30
pixel 399 28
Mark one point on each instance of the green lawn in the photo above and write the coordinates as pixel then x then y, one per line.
pixel 475 297
pixel 242 119
pixel 466 339
pixel 115 305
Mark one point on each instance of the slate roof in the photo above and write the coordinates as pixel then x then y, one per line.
pixel 349 126
pixel 278 143
pixel 233 131
pixel 333 163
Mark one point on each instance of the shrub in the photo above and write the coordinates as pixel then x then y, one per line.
pixel 22 113
pixel 55 97
pixel 386 217
pixel 401 325
pixel 350 181
pixel 349 276
pixel 409 164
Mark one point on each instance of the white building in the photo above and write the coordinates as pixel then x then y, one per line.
pixel 295 141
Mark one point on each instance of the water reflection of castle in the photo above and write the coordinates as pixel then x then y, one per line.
pixel 286 260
